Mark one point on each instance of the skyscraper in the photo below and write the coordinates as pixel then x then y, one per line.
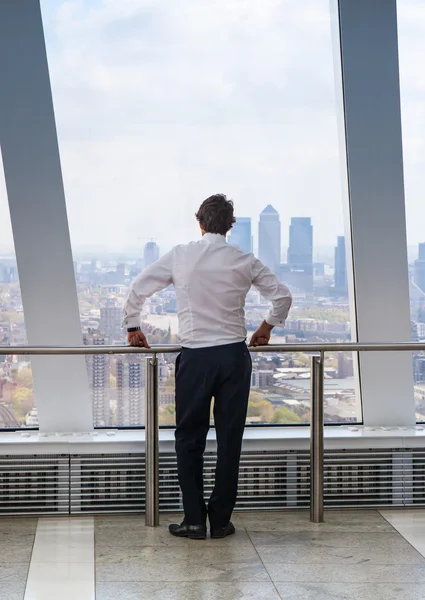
pixel 131 390
pixel 341 287
pixel 269 245
pixel 300 253
pixel 150 254
pixel 110 322
pixel 120 273
pixel 419 272
pixel 98 366
pixel 241 235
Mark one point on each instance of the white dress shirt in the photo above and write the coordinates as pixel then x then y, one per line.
pixel 211 279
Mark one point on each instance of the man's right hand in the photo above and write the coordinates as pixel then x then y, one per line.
pixel 261 337
pixel 137 338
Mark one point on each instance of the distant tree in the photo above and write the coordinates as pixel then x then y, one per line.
pixel 302 360
pixel 167 415
pixel 285 416
pixel 24 378
pixel 22 401
pixel 259 406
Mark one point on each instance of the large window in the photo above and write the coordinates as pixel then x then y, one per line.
pixel 160 104
pixel 411 26
pixel 17 404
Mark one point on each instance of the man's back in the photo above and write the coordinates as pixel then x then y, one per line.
pixel 212 280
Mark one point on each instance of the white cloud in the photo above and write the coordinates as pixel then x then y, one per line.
pixel 160 103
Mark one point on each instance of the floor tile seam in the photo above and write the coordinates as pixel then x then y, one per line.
pixel 343 564
pixel 404 538
pixel 94 559
pixel 30 560
pixel 220 562
pixel 308 546
pixel 60 562
pixel 192 581
pixel 365 583
pixel 349 565
pixel 267 571
pixel 322 530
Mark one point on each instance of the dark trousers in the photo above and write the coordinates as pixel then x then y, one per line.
pixel 222 372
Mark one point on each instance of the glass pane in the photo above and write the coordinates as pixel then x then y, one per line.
pixel 17 403
pixel 159 105
pixel 411 25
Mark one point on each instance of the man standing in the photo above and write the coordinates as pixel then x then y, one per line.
pixel 211 279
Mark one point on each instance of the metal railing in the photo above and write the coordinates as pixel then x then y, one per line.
pixel 151 426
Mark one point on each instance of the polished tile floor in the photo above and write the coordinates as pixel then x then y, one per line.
pixel 354 555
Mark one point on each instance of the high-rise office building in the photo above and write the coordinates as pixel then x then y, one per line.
pixel 131 390
pixel 8 274
pixel 98 372
pixel 341 287
pixel 110 323
pixel 150 254
pixel 300 253
pixel 269 244
pixel 120 273
pixel 419 368
pixel 241 234
pixel 419 270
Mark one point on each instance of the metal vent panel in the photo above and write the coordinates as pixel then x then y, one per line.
pixel 107 483
pixel 267 480
pixel 31 485
pixel 115 483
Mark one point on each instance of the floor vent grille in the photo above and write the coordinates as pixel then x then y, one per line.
pixel 107 483
pixel 115 483
pixel 34 484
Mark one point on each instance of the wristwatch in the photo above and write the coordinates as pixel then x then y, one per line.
pixel 133 329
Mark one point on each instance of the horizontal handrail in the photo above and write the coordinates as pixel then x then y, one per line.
pixel 168 349
pixel 152 434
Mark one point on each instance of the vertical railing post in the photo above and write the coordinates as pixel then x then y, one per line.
pixel 152 444
pixel 316 440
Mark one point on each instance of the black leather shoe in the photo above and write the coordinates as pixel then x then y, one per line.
pixel 194 532
pixel 222 532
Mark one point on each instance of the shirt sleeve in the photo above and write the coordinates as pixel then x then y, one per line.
pixel 272 290
pixel 156 277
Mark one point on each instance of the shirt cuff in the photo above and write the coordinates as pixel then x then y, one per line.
pixel 130 322
pixel 274 322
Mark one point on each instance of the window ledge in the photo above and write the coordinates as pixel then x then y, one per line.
pixel 255 439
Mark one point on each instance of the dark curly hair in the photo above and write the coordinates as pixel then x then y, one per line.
pixel 215 214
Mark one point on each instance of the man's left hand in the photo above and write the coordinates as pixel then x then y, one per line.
pixel 261 337
pixel 137 338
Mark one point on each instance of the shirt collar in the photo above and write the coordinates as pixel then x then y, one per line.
pixel 214 238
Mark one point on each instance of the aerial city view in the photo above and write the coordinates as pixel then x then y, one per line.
pixel 317 278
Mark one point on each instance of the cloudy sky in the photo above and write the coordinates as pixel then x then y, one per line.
pixel 161 103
